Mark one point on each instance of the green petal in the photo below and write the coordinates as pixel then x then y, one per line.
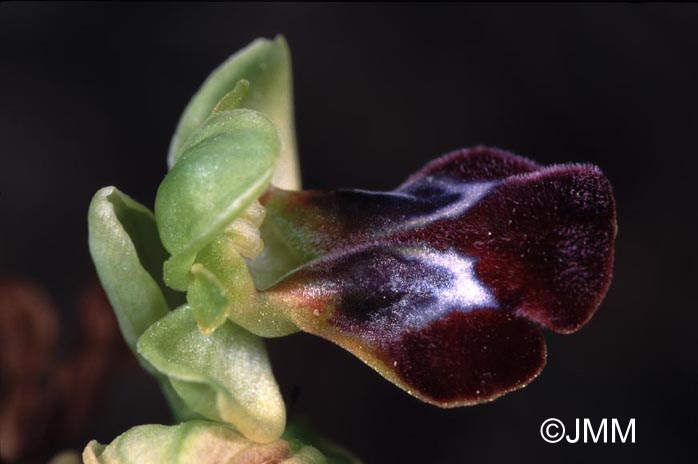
pixel 228 164
pixel 266 64
pixel 222 288
pixel 224 376
pixel 208 299
pixel 233 99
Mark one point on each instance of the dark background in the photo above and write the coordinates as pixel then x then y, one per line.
pixel 90 95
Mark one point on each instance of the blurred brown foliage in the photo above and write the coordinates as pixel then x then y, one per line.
pixel 46 397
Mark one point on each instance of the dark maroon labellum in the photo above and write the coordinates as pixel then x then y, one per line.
pixel 442 285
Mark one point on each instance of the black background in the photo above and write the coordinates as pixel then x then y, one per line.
pixel 90 95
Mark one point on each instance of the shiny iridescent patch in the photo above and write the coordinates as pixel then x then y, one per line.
pixel 443 284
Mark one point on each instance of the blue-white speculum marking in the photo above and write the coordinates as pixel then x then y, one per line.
pixel 388 291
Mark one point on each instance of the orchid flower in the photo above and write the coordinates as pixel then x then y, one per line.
pixel 442 285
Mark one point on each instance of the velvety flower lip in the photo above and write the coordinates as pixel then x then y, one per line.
pixel 442 284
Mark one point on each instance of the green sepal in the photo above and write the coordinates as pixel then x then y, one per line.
pixel 128 256
pixel 228 164
pixel 266 64
pixel 200 442
pixel 224 376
